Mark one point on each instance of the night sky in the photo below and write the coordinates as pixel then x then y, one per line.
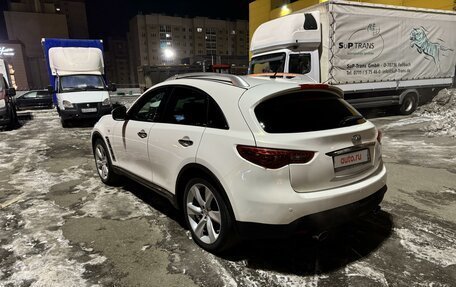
pixel 108 19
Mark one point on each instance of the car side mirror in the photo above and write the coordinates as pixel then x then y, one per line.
pixel 11 92
pixel 51 89
pixel 119 113
pixel 112 87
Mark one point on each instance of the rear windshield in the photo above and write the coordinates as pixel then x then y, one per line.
pixel 306 112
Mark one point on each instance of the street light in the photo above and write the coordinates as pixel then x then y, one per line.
pixel 285 10
pixel 168 53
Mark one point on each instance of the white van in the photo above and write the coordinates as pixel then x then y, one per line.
pixel 77 78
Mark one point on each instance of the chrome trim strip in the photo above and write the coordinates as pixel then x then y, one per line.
pixel 350 149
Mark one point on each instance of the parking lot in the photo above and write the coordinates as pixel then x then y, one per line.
pixel 60 226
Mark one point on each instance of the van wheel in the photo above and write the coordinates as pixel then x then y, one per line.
pixel 207 216
pixel 409 104
pixel 65 123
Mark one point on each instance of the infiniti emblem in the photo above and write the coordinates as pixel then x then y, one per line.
pixel 88 105
pixel 356 139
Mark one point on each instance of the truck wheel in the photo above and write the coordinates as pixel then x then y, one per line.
pixel 409 104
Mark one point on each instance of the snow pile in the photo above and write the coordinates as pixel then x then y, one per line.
pixel 442 110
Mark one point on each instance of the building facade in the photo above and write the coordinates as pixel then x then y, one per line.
pixel 28 21
pixel 117 65
pixel 156 40
pixel 13 64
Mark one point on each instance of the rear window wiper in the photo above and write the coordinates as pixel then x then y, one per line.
pixel 350 119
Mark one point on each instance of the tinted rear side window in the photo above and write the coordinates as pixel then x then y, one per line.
pixel 305 112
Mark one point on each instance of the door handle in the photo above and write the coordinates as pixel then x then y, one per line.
pixel 185 141
pixel 142 134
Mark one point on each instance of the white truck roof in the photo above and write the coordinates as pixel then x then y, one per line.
pixel 76 60
pixel 286 32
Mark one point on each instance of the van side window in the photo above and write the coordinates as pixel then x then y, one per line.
pixel 299 63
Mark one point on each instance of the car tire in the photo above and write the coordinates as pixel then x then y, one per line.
pixel 207 216
pixel 409 104
pixel 103 163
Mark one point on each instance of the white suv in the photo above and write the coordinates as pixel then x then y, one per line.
pixel 245 156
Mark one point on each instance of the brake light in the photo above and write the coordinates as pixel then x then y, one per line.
pixel 379 136
pixel 273 158
pixel 314 86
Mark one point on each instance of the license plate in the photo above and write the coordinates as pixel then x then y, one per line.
pixel 351 159
pixel 89 110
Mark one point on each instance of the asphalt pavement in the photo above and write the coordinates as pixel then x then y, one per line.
pixel 61 226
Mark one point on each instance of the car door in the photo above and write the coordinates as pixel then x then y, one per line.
pixel 175 139
pixel 27 100
pixel 130 137
pixel 43 99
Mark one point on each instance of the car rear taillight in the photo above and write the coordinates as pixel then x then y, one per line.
pixel 379 136
pixel 273 158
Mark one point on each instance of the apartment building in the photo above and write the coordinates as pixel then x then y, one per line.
pixel 117 65
pixel 157 40
pixel 27 21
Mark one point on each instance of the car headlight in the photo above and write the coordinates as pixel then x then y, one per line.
pixel 67 104
pixel 106 102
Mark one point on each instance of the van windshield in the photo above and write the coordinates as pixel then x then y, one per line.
pixel 272 63
pixel 76 83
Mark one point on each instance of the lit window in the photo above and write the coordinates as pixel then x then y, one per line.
pixel 199 30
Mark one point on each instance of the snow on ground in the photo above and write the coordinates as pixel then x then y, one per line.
pixel 424 241
pixel 442 114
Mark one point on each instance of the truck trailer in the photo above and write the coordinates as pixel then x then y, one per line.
pixel 379 55
pixel 77 78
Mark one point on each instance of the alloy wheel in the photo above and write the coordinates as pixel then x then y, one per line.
pixel 102 162
pixel 203 213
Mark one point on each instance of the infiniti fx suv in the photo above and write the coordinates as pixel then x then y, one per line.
pixel 245 157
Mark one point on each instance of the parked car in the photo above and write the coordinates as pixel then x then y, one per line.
pixel 246 157
pixel 8 116
pixel 34 99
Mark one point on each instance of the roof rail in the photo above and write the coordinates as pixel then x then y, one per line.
pixel 227 78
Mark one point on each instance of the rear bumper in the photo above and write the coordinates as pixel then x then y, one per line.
pixel 77 112
pixel 314 222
